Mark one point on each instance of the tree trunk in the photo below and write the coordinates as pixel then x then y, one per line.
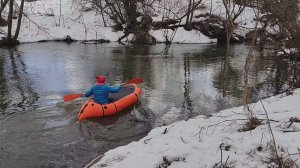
pixel 1 12
pixel 59 13
pixel 188 15
pixel 19 21
pixel 192 11
pixel 130 8
pixel 9 27
pixel 228 21
pixel 102 14
pixel 114 11
pixel 2 6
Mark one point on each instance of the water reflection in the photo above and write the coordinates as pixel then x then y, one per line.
pixel 3 89
pixel 227 79
pixel 187 103
pixel 17 92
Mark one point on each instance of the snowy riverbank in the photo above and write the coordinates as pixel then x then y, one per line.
pixel 45 21
pixel 208 142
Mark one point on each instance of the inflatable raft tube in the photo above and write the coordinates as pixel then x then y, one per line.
pixel 127 96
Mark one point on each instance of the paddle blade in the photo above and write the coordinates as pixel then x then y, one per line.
pixel 71 97
pixel 134 80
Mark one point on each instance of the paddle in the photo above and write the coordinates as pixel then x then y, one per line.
pixel 71 97
pixel 134 80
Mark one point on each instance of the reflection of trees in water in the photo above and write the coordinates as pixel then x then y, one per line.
pixel 134 61
pixel 283 75
pixel 187 102
pixel 269 74
pixel 224 72
pixel 272 75
pixel 208 57
pixel 227 79
pixel 227 72
pixel 19 92
pixel 3 88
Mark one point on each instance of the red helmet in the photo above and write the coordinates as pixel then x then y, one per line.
pixel 100 79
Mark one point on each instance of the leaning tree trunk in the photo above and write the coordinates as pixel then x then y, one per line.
pixel 102 13
pixel 19 22
pixel 9 27
pixel 1 4
pixel 188 27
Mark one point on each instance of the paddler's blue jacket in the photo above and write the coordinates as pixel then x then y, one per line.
pixel 101 92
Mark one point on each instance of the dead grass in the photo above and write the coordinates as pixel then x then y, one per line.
pixel 282 161
pixel 251 124
pixel 167 161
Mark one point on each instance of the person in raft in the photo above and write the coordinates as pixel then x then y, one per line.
pixel 101 91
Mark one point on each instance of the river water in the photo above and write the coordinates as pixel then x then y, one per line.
pixel 38 129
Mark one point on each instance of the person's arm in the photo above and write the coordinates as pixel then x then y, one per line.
pixel 114 89
pixel 88 93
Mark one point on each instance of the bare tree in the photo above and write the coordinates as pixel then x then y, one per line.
pixel 233 11
pixel 286 12
pixel 190 13
pixel 2 7
pixel 10 38
pixel 284 15
pixel 99 5
pixel 19 21
pixel 10 17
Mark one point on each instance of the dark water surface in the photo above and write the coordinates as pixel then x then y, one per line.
pixel 37 129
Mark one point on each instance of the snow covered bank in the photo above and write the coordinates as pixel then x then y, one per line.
pixel 45 21
pixel 209 142
pixel 182 36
